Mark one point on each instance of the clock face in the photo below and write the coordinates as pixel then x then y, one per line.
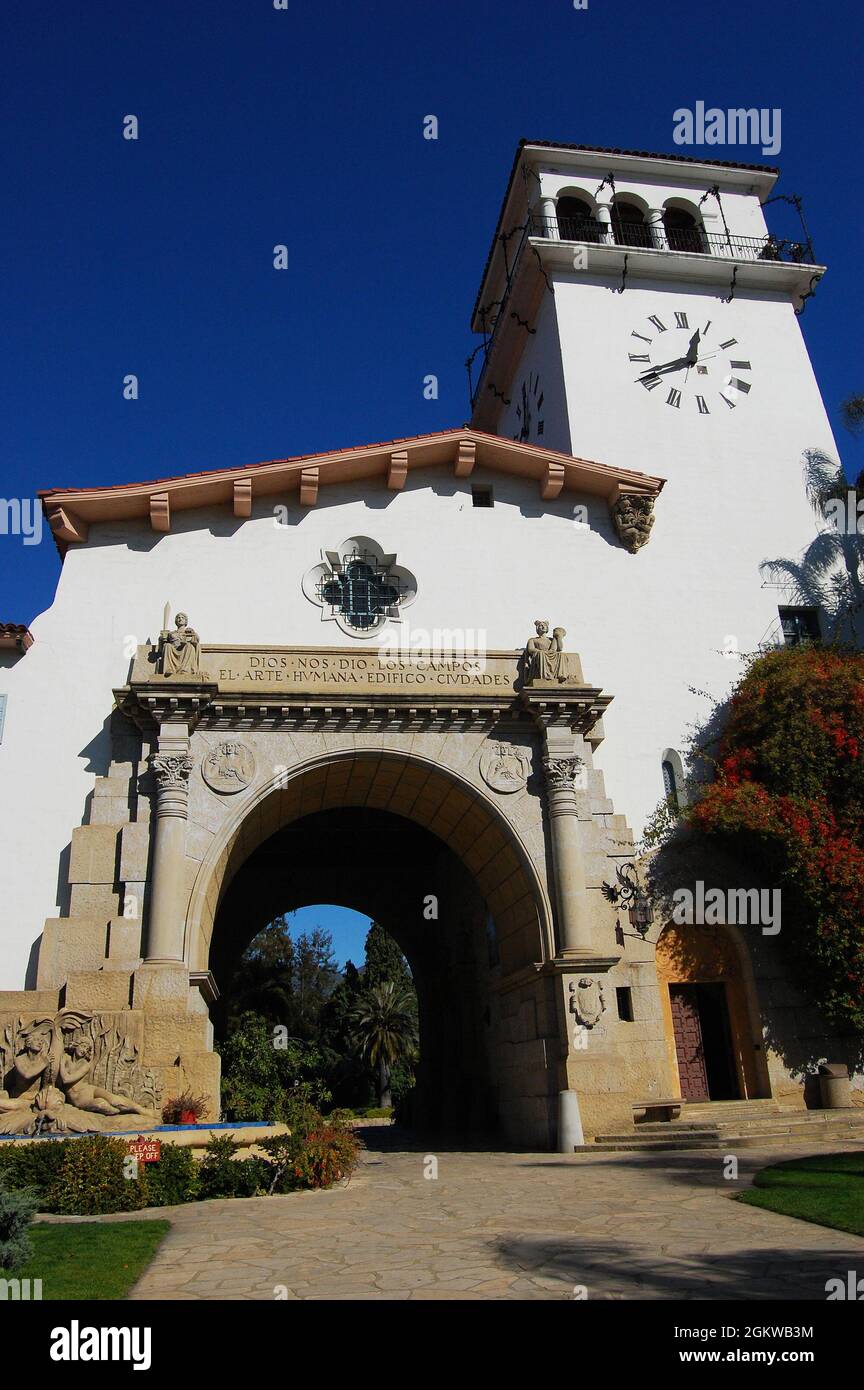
pixel 529 409
pixel 692 364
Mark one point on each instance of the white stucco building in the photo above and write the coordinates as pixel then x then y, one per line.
pixel 641 357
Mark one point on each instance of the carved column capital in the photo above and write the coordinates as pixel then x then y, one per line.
pixel 562 777
pixel 172 780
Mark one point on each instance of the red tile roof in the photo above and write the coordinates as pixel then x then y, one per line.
pixel 15 635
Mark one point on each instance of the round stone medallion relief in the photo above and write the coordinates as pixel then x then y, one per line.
pixel 229 767
pixel 505 767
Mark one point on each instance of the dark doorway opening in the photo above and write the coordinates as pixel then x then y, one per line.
pixel 703 1042
pixel 386 867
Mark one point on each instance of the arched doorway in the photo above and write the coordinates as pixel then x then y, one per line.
pixel 710 1013
pixel 429 858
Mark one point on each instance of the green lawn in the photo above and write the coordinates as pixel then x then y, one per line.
pixel 828 1190
pixel 90 1259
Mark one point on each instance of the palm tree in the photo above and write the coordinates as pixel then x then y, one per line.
pixel 853 414
pixel 830 573
pixel 385 1027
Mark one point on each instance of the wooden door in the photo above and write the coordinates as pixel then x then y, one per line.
pixel 689 1046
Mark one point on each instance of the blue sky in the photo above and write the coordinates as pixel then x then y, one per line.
pixel 304 127
pixel 349 929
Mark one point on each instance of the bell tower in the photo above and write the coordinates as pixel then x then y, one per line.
pixel 635 309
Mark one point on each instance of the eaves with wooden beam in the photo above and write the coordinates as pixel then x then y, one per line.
pixel 72 511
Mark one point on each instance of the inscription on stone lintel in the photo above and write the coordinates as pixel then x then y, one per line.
pixel 299 670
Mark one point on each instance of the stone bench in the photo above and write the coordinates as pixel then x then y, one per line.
pixel 656 1109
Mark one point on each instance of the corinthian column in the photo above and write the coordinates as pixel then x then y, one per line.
pixel 571 893
pixel 172 765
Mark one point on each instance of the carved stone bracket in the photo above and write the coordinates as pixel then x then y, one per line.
pixel 633 517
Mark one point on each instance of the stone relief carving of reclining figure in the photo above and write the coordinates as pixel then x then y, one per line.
pixel 47 1076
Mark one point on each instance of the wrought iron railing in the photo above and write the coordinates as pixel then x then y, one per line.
pixel 693 240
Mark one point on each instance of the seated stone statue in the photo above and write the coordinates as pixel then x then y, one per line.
pixel 545 658
pixel 80 1091
pixel 180 649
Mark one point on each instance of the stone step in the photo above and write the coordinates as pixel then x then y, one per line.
pixel 719 1109
pixel 778 1124
pixel 647 1146
pixel 790 1140
pixel 663 1134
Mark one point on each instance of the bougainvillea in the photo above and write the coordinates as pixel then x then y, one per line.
pixel 788 795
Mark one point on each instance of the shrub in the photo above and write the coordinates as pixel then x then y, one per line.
pixel 31 1165
pixel 174 1179
pixel 315 1154
pixel 17 1208
pixel 788 798
pixel 91 1177
pixel 222 1175
pixel 263 1081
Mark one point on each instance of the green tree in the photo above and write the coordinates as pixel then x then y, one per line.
pixel 852 411
pixel 315 976
pixel 266 1074
pixel 264 980
pixel 287 981
pixel 385 1029
pixel 384 959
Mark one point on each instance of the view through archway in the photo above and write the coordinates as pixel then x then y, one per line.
pixel 429 949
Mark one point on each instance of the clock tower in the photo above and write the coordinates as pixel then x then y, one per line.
pixel 637 311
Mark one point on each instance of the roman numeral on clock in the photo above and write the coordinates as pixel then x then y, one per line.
pixel 661 327
pixel 731 404
pixel 740 385
pixel 681 320
pixel 740 366
pixel 674 398
pixel 649 382
pixel 730 342
pixel 634 334
pixel 703 405
pixel 639 357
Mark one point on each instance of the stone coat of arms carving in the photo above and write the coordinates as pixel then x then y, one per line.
pixel 229 767
pixel 505 767
pixel 587 1001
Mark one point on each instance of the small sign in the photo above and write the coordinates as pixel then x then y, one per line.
pixel 145 1150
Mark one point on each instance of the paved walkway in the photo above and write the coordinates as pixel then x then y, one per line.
pixel 504 1226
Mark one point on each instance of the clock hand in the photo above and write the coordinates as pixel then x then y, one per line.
pixel 693 348
pixel 667 367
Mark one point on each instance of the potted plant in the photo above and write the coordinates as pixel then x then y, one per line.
pixel 185 1109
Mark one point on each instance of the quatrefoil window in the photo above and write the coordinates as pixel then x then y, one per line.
pixel 359 587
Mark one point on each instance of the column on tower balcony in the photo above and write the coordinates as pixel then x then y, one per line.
pixel 657 229
pixel 171 764
pixel 603 215
pixel 549 214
